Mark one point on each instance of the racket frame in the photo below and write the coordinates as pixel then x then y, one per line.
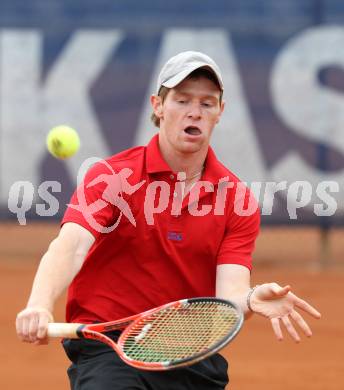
pixel 168 365
pixel 95 332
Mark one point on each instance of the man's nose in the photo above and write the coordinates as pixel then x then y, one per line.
pixel 195 111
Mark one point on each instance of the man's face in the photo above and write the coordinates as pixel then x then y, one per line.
pixel 188 114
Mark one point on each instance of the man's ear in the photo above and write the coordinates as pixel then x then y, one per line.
pixel 156 102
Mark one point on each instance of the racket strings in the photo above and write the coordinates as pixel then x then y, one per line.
pixel 179 332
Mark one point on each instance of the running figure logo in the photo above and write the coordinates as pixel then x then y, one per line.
pixel 116 184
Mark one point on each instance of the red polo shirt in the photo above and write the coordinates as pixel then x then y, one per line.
pixel 146 252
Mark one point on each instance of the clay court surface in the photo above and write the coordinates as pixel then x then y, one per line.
pixel 257 360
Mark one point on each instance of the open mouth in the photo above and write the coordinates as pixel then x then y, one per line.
pixel 192 130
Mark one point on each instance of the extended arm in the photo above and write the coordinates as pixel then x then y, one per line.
pixel 58 267
pixel 270 300
pixel 233 283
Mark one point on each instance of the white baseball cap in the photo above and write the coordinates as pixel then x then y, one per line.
pixel 181 65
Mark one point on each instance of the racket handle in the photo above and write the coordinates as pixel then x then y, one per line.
pixel 56 329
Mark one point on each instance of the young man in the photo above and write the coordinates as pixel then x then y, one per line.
pixel 143 229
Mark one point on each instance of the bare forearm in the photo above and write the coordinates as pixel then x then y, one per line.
pixel 57 269
pixel 239 297
pixel 233 283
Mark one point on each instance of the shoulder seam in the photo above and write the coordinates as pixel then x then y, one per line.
pixel 113 158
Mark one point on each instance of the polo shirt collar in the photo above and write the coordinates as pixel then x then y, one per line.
pixel 214 170
pixel 154 161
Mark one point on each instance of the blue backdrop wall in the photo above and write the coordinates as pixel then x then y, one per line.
pixel 93 65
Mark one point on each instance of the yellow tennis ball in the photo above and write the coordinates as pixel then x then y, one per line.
pixel 63 142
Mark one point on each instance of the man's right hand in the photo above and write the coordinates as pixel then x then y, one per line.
pixel 32 325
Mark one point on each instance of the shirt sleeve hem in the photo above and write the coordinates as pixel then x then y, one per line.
pixel 82 223
pixel 243 262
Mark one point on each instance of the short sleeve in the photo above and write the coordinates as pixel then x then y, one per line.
pixel 92 204
pixel 241 231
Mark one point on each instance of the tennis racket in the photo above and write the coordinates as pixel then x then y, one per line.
pixel 173 335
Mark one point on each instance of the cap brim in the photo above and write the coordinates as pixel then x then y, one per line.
pixel 178 78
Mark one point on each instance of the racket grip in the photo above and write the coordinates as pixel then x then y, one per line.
pixel 56 329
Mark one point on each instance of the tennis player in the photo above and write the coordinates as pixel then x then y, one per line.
pixel 154 224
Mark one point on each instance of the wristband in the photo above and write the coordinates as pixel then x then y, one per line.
pixel 248 299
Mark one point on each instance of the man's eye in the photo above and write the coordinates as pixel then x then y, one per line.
pixel 181 101
pixel 205 104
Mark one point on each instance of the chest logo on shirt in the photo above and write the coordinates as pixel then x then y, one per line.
pixel 174 236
